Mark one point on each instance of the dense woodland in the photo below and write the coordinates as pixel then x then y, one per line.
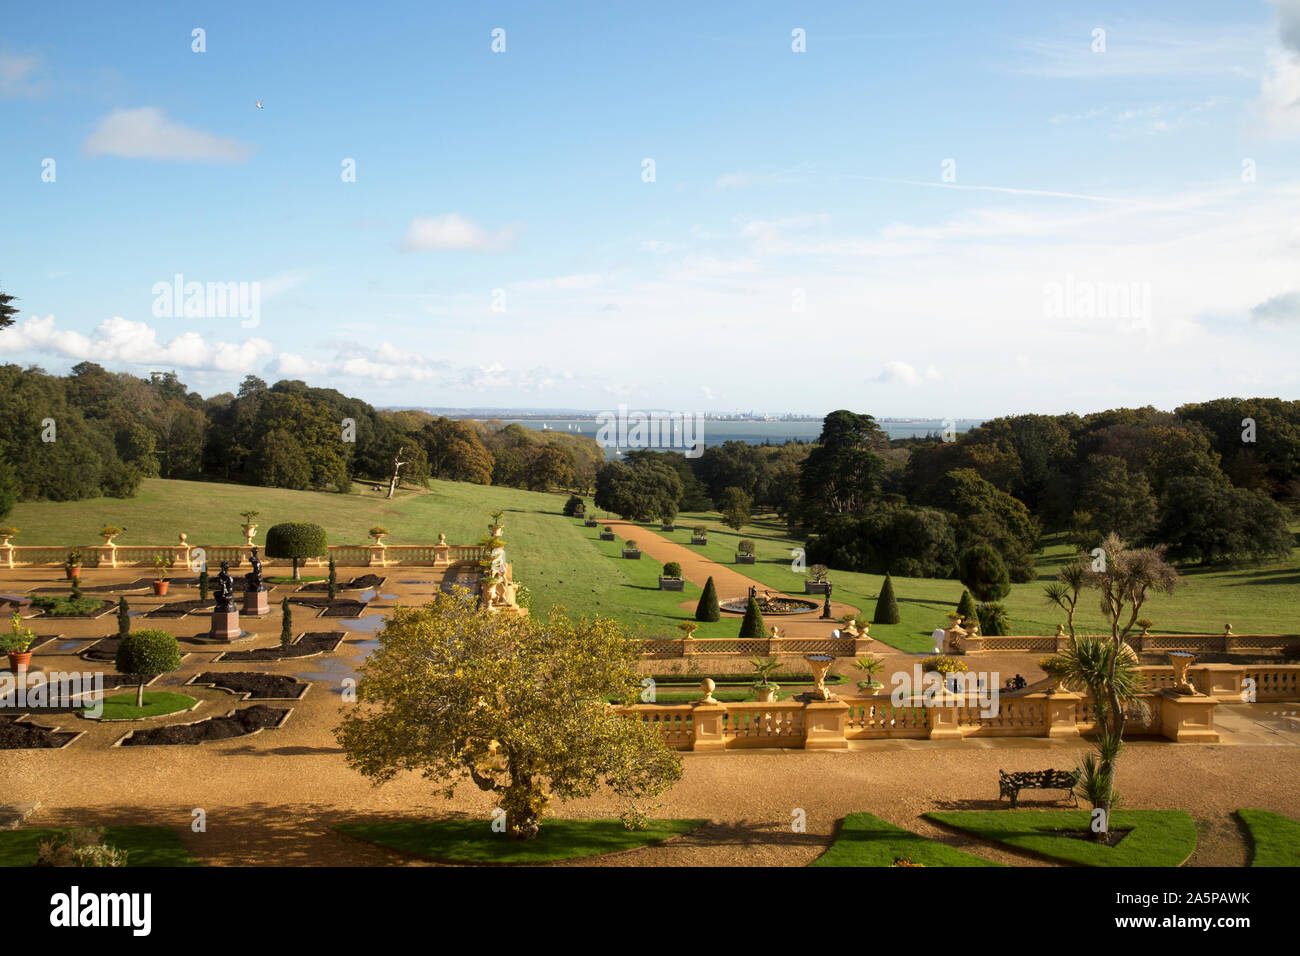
pixel 1202 480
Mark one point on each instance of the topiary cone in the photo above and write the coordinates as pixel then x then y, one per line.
pixel 707 609
pixel 886 604
pixel 752 625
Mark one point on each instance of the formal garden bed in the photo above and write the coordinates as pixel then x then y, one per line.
pixel 238 723
pixel 66 606
pixel 1149 837
pixel 144 845
pixel 156 704
pixel 307 645
pixel 1274 838
pixel 252 685
pixel 474 842
pixel 361 583
pixel 864 839
pixel 181 608
pixel 17 734
pixel 337 607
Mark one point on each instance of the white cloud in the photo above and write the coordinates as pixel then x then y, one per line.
pixel 1280 309
pixel 903 373
pixel 19 76
pixel 452 231
pixel 120 340
pixel 147 133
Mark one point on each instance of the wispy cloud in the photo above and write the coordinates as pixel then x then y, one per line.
pixel 20 76
pixel 453 232
pixel 147 133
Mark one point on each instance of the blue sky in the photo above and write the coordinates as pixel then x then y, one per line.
pixel 1119 223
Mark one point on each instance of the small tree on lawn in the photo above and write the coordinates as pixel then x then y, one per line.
pixel 515 705
pixel 707 609
pixel 123 617
pixel 735 504
pixel 1124 577
pixel 752 625
pixel 146 654
pixel 286 623
pixel 296 540
pixel 886 604
pixel 984 572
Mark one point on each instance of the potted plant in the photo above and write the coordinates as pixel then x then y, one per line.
pixel 378 532
pixel 870 666
pixel 495 527
pixel 765 688
pixel 1057 667
pixel 1143 622
pixel 688 628
pixel 591 521
pixel 671 579
pixel 249 526
pixel 72 564
pixel 817 581
pixel 631 550
pixel 745 552
pixel 699 534
pixel 17 642
pixel 161 562
pixel 666 523
pixel 607 534
pixel 109 532
pixel 5 534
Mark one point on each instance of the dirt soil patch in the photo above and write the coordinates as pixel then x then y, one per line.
pixel 15 735
pixel 239 724
pixel 255 684
pixel 356 584
pixel 307 645
pixel 181 608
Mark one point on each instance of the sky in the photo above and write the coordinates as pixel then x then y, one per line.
pixel 947 209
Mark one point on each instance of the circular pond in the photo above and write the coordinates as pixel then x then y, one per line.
pixel 770 606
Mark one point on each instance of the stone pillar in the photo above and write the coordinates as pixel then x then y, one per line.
pixel 942 718
pixel 7 554
pixel 1062 708
pixel 706 720
pixel 107 555
pixel 225 625
pixel 1231 642
pixel 255 603
pixel 1220 681
pixel 377 556
pixel 690 646
pixel 862 645
pixel 1187 719
pixel 1062 639
pixel 823 724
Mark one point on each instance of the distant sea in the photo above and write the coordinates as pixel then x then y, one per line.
pixel 753 432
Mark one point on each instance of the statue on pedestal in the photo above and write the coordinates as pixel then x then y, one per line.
pixel 224 589
pixel 253 579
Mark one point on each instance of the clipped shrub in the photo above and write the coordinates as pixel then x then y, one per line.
pixel 203 585
pixel 672 570
pixel 80 847
pixel 752 625
pixel 296 540
pixel 575 507
pixel 707 609
pixel 123 617
pixel 886 604
pixel 966 606
pixel 631 544
pixel 745 546
pixel 333 580
pixel 993 619
pixel 286 623
pixel 146 654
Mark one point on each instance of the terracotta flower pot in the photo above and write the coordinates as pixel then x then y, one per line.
pixel 160 587
pixel 18 662
pixel 72 572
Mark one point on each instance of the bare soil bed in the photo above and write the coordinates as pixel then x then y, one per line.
pixel 239 724
pixel 307 645
pixel 255 684
pixel 356 584
pixel 15 735
pixel 181 608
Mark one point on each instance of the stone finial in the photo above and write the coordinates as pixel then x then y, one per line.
pixel 1227 630
pixel 1060 630
pixel 776 633
pixel 442 539
pixel 707 685
pixel 184 540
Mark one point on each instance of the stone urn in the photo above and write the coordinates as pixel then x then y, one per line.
pixel 765 693
pixel 4 539
pixel 378 539
pixel 1181 661
pixel 820 664
pixel 249 530
pixel 108 539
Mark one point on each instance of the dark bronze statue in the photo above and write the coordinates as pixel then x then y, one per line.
pixel 224 589
pixel 253 579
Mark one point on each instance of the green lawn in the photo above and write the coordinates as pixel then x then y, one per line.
pixel 1157 837
pixel 866 840
pixel 156 704
pixel 564 563
pixel 145 845
pixel 472 841
pixel 1274 838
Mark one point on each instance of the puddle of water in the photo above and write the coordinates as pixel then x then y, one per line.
pixel 368 595
pixel 68 645
pixel 330 671
pixel 363 625
pixel 389 597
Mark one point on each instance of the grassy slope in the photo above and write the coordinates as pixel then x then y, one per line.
pixel 866 840
pixel 472 841
pixel 564 563
pixel 1158 837
pixel 1275 838
pixel 146 846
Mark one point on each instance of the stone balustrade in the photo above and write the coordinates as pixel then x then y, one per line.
pixel 750 647
pixel 1225 643
pixel 184 555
